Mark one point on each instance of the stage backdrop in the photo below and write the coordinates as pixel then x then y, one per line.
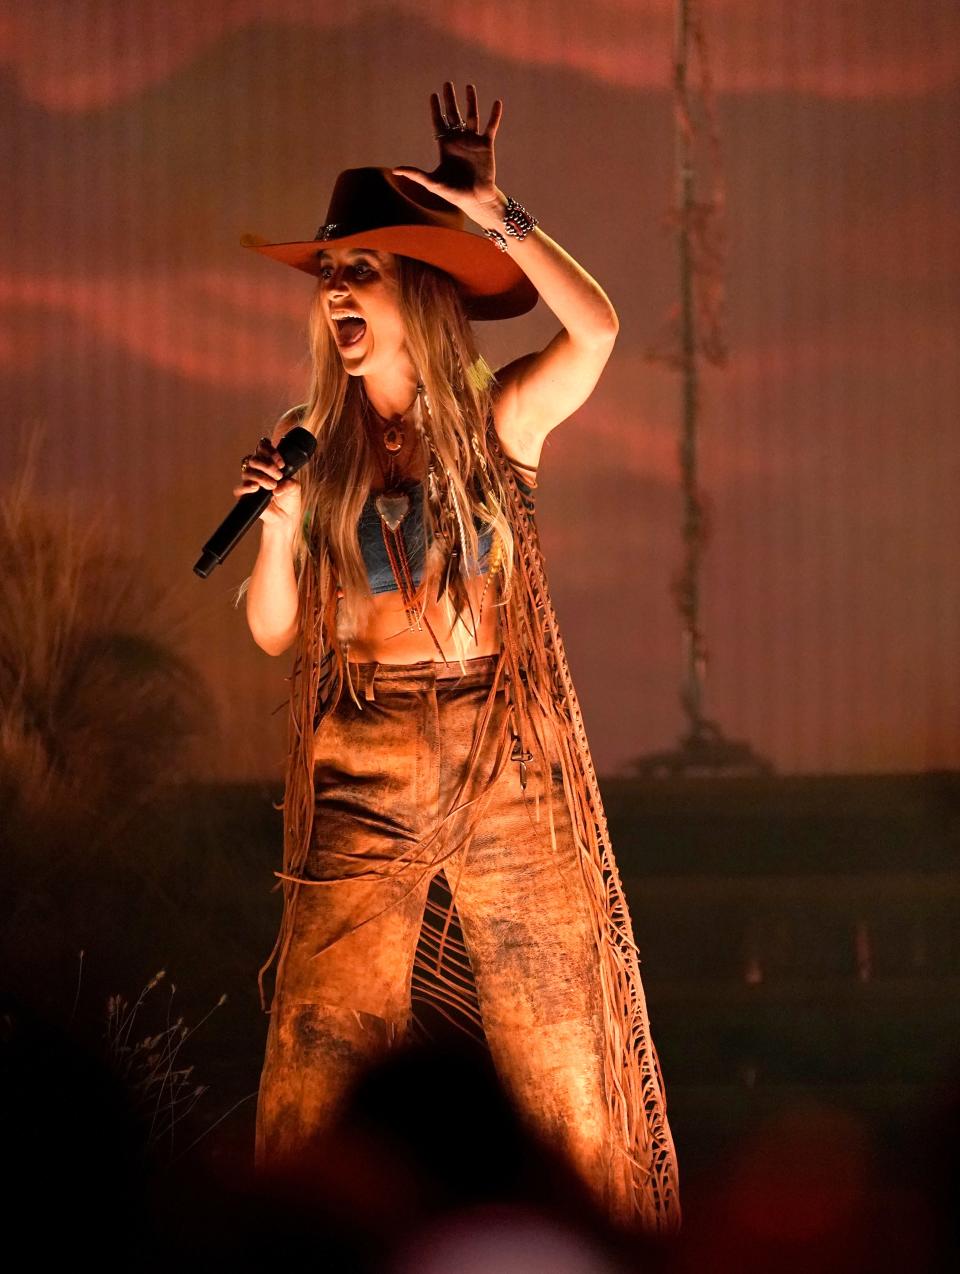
pixel 141 139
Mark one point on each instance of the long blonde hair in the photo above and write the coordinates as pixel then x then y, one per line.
pixel 543 724
pixel 453 414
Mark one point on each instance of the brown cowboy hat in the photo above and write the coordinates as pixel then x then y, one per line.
pixel 372 208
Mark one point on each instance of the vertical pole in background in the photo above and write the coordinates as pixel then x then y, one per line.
pixel 695 332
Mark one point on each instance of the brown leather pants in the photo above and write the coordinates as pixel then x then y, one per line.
pixel 384 779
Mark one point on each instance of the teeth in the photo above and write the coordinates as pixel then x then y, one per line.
pixel 344 314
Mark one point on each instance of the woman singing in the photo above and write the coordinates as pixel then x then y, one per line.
pixel 435 733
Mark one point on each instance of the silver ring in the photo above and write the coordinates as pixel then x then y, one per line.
pixel 245 464
pixel 452 128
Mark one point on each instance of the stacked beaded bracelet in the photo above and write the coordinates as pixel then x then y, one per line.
pixel 517 222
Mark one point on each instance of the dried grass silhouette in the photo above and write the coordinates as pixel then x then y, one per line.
pixel 97 708
pixel 162 1088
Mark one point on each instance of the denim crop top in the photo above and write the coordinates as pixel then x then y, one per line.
pixel 371 537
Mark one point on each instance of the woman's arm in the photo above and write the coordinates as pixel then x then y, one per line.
pixel 539 390
pixel 577 299
pixel 272 599
pixel 272 593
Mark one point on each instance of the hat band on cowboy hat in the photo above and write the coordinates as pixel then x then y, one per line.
pixel 372 208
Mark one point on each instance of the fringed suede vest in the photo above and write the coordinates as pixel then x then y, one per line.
pixel 643 1187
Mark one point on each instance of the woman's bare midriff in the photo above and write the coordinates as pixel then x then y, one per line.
pixel 389 640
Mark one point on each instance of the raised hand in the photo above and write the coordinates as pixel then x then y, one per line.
pixel 466 173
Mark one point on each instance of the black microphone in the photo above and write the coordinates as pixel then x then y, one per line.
pixel 296 446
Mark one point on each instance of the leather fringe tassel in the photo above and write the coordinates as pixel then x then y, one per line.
pixel 644 1186
pixel 545 718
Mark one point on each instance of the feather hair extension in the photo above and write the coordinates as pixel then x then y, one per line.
pixel 460 556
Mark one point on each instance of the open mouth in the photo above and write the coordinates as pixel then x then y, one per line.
pixel 349 331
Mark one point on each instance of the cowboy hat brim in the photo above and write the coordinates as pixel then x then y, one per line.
pixel 493 286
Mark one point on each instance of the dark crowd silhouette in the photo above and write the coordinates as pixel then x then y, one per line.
pixel 428 1168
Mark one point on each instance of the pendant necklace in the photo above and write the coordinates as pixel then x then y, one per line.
pixel 393 505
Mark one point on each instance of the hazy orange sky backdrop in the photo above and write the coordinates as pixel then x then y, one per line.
pixel 140 140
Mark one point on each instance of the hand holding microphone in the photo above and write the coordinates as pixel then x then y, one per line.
pixel 266 468
pixel 267 491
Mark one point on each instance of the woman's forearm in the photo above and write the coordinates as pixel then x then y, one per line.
pixel 272 593
pixel 577 299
